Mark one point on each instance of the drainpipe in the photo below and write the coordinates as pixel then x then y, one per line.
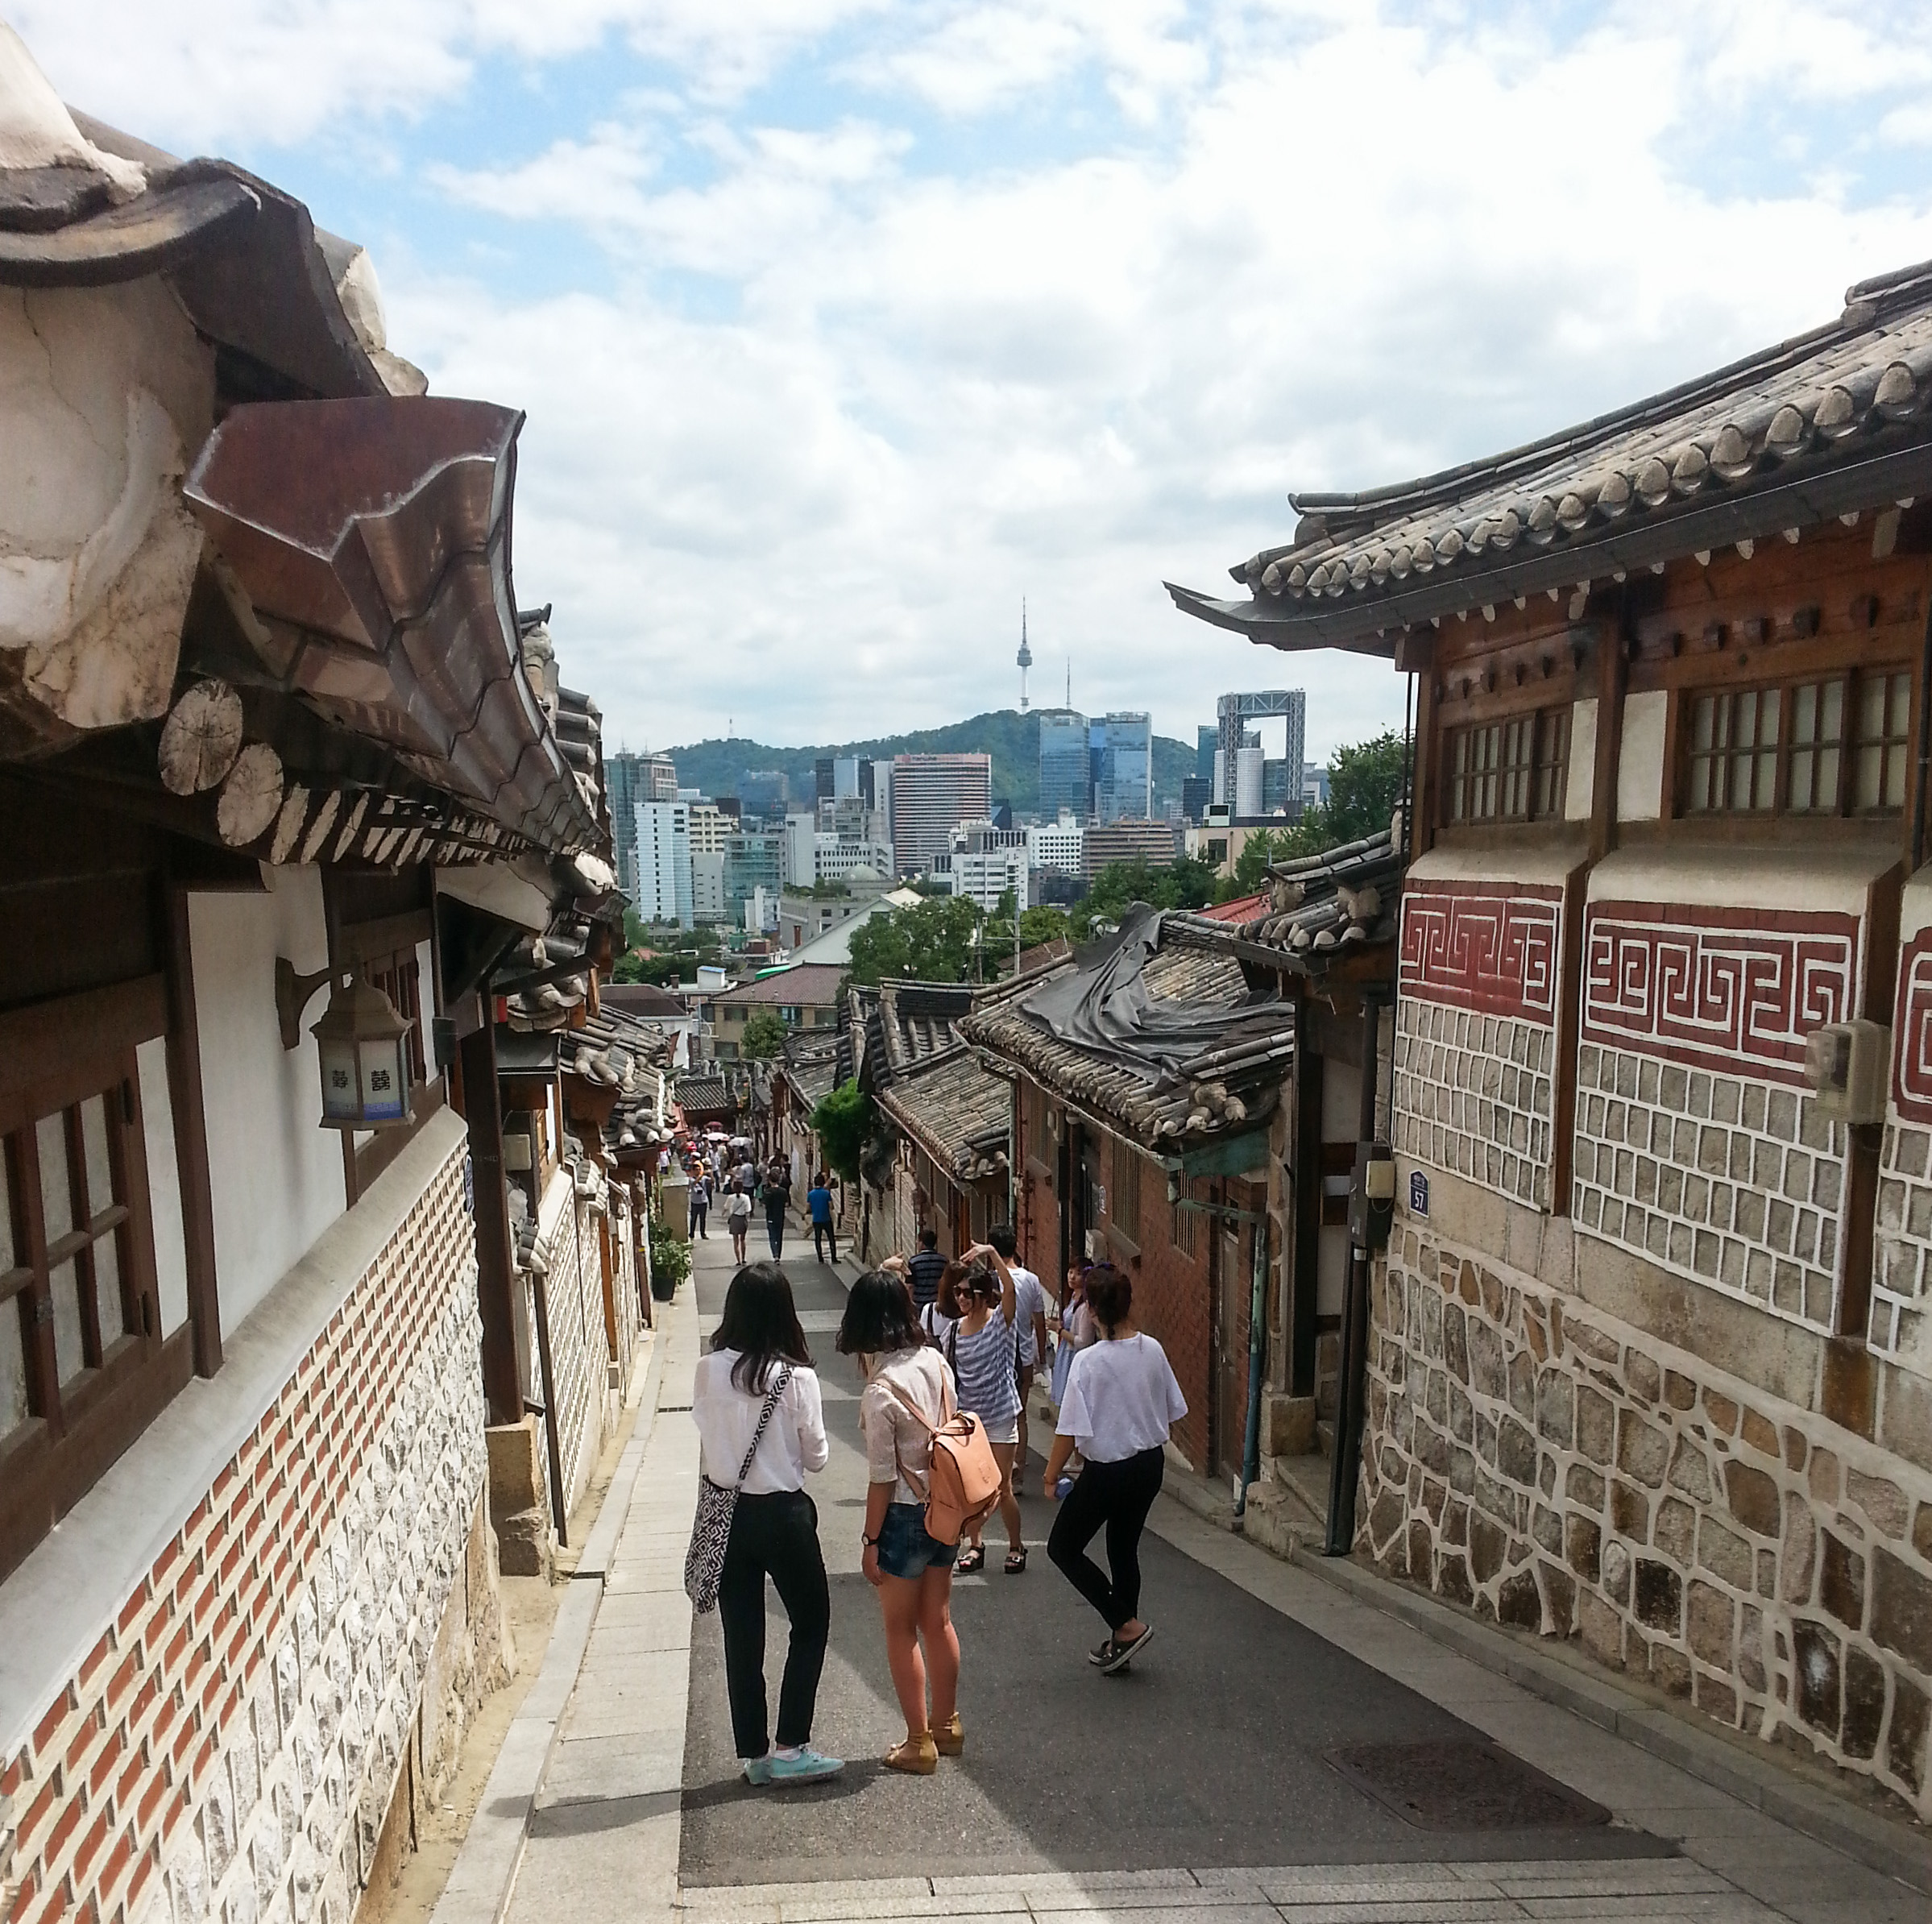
pixel 1371 1207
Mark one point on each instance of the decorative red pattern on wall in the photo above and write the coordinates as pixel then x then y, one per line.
pixel 1912 1031
pixel 1732 989
pixel 1491 947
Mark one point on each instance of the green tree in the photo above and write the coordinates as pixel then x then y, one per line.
pixel 842 1122
pixel 764 1033
pixel 1185 883
pixel 1365 782
pixel 1044 924
pixel 929 942
pixel 663 970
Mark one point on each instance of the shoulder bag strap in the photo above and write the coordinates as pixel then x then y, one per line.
pixel 765 1416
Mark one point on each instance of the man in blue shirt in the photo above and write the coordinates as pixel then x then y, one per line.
pixel 817 1201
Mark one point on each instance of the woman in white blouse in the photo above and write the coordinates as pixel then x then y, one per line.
pixel 758 1356
pixel 1121 1399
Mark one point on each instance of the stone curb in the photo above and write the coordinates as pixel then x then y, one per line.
pixel 484 1874
pixel 1868 1839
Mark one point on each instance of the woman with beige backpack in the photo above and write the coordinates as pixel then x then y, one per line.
pixel 932 1474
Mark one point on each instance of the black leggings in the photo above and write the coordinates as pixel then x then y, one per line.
pixel 1118 1495
pixel 779 1535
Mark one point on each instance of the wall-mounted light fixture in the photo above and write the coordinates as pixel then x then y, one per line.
pixel 364 1048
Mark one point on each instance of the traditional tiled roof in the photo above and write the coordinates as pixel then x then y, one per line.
pixel 614 1050
pixel 812 986
pixel 1832 422
pixel 645 999
pixel 1319 909
pixel 810 1065
pixel 958 1112
pixel 1221 1079
pixel 703 1096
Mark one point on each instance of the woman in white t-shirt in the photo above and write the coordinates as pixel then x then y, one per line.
pixel 759 1349
pixel 1121 1399
pixel 911 1570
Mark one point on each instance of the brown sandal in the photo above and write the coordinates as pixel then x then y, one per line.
pixel 949 1738
pixel 918 1756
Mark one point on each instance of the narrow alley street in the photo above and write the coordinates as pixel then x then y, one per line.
pixel 1210 1782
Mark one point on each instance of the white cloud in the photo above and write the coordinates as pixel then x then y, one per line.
pixel 850 385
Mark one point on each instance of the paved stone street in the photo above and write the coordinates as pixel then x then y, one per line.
pixel 1198 1786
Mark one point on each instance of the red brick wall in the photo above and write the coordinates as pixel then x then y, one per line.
pixel 1171 1303
pixel 126 1753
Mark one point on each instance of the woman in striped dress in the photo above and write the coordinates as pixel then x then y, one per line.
pixel 983 1347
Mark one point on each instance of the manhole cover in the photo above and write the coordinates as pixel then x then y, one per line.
pixel 1463 1785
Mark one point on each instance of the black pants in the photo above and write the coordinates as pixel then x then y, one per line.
pixel 775 1535
pixel 821 1235
pixel 1118 1495
pixel 774 1228
pixel 698 1216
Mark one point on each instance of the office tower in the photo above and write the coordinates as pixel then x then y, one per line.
pixel 1065 782
pixel 754 859
pixel 1126 841
pixel 662 777
pixel 1235 711
pixel 664 862
pixel 1275 798
pixel 764 792
pixel 708 902
pixel 932 795
pixel 623 776
pixel 1248 766
pixel 844 777
pixel 800 865
pixel 1121 745
pixel 868 792
pixel 1206 739
pixel 1197 793
pixel 822 779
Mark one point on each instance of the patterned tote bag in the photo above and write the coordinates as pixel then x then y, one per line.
pixel 711 1527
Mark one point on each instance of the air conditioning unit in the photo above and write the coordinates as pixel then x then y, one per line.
pixel 1847 1063
pixel 1097 1245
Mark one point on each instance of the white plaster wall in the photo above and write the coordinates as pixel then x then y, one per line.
pixel 163 1184
pixel 1580 791
pixel 276 1175
pixel 1640 761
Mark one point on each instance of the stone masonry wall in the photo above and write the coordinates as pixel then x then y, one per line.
pixel 230 1748
pixel 1532 1457
pixel 1732 1181
pixel 1474 1096
pixel 1902 1284
pixel 580 1351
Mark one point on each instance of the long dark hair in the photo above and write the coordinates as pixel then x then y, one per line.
pixel 1109 1295
pixel 880 1317
pixel 762 1323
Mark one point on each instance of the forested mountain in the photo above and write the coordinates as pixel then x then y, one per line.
pixel 1011 738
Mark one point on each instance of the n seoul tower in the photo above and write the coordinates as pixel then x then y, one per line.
pixel 1025 657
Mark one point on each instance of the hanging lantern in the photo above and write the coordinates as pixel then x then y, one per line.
pixel 364 1048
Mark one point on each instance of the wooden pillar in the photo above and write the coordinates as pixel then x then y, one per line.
pixel 495 1271
pixel 190 1132
pixel 1305 1261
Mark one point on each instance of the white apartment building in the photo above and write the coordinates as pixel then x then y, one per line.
pixel 710 826
pixel 800 850
pixel 1059 844
pixel 664 862
pixel 986 874
pixel 836 860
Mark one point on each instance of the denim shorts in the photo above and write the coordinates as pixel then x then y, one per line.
pixel 905 1549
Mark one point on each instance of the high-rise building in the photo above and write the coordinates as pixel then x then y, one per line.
pixel 1206 739
pixel 623 776
pixel 660 779
pixel 985 875
pixel 1250 768
pixel 754 859
pixel 932 795
pixel 1121 745
pixel 764 792
pixel 801 835
pixel 710 825
pixel 664 862
pixel 1066 770
pixel 823 779
pixel 1235 711
pixel 1197 791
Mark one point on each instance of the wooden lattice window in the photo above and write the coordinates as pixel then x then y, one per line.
pixel 1511 771
pixel 83 1368
pixel 399 978
pixel 1832 746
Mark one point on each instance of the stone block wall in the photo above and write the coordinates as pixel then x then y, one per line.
pixel 1473 1095
pixel 1902 1265
pixel 229 1749
pixel 580 1350
pixel 1731 1180
pixel 1534 1458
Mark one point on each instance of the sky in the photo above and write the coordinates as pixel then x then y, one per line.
pixel 844 326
